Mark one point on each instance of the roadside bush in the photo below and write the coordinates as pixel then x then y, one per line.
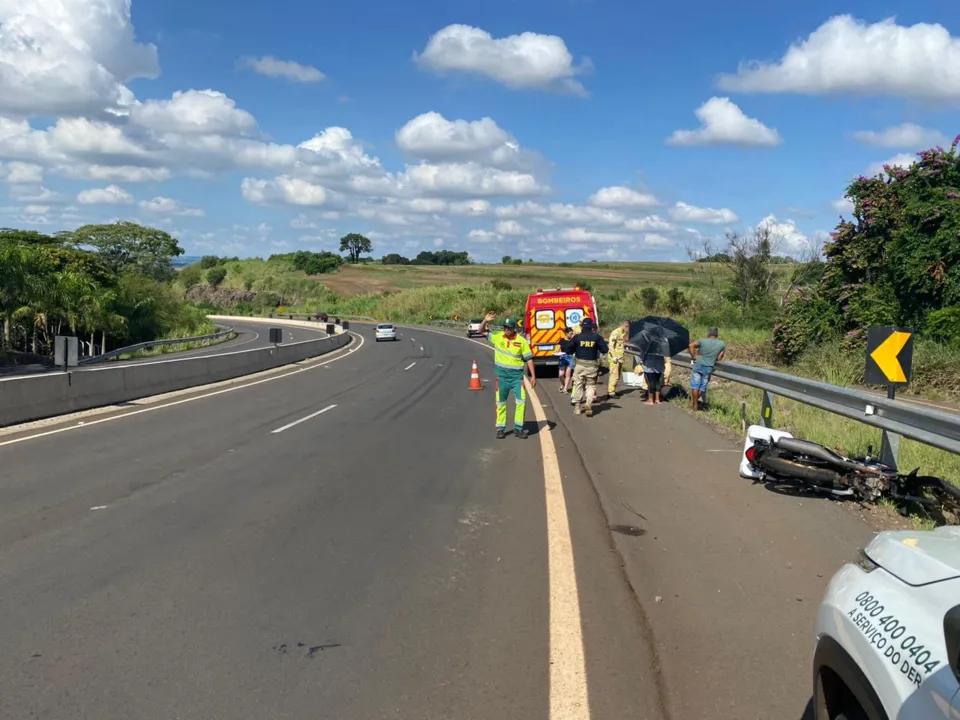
pixel 650 296
pixel 499 284
pixel 805 320
pixel 677 301
pixel 190 276
pixel 584 284
pixel 943 325
pixel 216 275
pixel 209 261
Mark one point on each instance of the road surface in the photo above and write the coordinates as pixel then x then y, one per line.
pixel 346 539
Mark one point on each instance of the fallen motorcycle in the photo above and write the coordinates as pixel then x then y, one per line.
pixel 776 456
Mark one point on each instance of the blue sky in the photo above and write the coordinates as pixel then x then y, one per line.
pixel 552 129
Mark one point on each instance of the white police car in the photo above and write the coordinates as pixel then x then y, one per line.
pixel 888 631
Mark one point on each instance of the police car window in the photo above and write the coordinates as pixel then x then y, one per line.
pixel 574 317
pixel 544 320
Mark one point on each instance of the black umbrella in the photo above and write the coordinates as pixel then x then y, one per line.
pixel 657 336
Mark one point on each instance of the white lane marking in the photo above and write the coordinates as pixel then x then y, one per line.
pixel 569 695
pixel 185 400
pixel 303 419
pixel 421 348
pixel 736 451
pixel 409 366
pixel 99 507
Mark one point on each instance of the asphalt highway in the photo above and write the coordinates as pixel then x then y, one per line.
pixel 346 539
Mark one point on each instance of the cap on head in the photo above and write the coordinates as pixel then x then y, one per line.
pixel 713 332
pixel 586 324
pixel 510 323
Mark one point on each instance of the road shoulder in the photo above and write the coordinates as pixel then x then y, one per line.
pixel 729 573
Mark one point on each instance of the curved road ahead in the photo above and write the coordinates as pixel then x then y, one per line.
pixel 346 539
pixel 249 336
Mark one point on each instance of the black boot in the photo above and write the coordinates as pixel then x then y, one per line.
pixel 500 434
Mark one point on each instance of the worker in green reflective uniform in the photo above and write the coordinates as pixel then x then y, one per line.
pixel 512 354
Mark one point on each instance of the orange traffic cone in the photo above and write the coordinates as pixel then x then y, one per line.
pixel 475 378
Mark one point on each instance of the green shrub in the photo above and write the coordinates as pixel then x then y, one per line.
pixel 804 321
pixel 209 261
pixel 499 284
pixel 216 275
pixel 190 276
pixel 650 297
pixel 677 301
pixel 943 325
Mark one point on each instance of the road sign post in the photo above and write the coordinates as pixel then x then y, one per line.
pixel 890 363
pixel 66 351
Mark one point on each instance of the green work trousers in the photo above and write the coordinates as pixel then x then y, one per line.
pixel 504 386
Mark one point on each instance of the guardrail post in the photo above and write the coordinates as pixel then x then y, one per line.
pixel 766 410
pixel 345 324
pixel 890 442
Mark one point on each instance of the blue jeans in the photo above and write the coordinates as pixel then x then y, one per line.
pixel 700 376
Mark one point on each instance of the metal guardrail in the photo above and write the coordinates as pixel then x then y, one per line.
pixel 111 354
pixel 895 418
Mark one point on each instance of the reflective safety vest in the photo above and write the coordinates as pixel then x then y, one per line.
pixel 617 338
pixel 511 354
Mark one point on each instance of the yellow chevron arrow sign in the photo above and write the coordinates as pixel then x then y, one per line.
pixel 886 355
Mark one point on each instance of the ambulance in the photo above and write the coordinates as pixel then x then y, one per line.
pixel 549 313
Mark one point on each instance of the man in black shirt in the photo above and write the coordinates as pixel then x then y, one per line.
pixel 586 348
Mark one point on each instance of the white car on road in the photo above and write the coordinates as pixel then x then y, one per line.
pixel 473 329
pixel 888 631
pixel 386 331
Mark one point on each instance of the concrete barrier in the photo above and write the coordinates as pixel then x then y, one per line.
pixel 35 397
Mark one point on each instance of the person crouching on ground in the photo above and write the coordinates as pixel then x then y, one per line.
pixel 565 361
pixel 587 346
pixel 512 354
pixel 653 366
pixel 616 344
pixel 706 352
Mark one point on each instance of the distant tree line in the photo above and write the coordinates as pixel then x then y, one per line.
pixel 427 257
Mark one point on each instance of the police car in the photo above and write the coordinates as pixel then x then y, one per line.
pixel 888 631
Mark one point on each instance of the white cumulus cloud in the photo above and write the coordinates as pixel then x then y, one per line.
pixel 621 197
pixel 69 57
pixel 525 61
pixel 286 69
pixel 194 112
pixel 907 135
pixel 110 195
pixel 168 206
pixel 723 123
pixel 511 227
pixel 850 56
pixel 682 212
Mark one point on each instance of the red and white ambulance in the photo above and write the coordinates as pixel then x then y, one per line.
pixel 549 313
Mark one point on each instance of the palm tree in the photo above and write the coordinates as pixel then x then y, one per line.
pixel 99 315
pixel 14 282
pixel 70 293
